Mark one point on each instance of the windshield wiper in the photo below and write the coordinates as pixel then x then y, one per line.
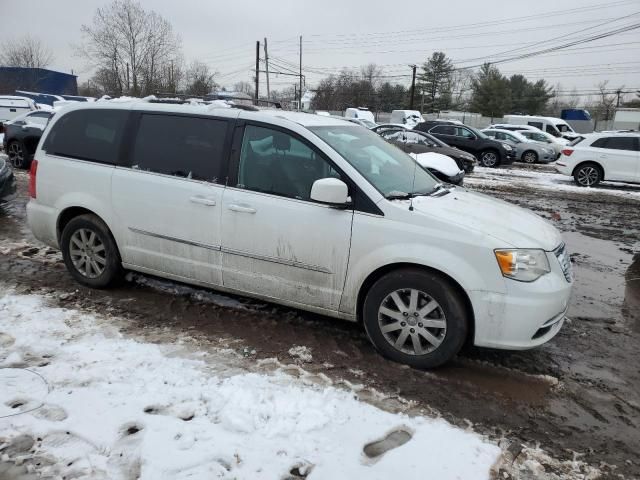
pixel 396 195
pixel 439 188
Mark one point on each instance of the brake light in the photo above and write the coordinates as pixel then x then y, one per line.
pixel 32 178
pixel 567 152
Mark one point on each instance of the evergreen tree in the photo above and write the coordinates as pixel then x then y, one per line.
pixel 435 83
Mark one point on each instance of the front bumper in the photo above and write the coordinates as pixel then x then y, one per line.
pixel 527 315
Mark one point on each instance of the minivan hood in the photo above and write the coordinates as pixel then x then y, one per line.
pixel 512 226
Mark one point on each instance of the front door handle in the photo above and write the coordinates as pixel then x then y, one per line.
pixel 241 208
pixel 208 201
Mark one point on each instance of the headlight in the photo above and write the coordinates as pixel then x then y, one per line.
pixel 524 265
pixel 507 147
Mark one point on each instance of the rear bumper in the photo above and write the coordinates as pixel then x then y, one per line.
pixel 42 222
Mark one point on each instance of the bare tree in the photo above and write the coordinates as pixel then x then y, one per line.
pixel 200 80
pixel 134 44
pixel 26 52
pixel 244 87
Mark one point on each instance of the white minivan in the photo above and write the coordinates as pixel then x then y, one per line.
pixel 307 211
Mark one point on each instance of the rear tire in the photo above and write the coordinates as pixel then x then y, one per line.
pixel 587 175
pixel 416 317
pixel 90 253
pixel 530 157
pixel 489 158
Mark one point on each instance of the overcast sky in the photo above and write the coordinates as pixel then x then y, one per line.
pixel 351 33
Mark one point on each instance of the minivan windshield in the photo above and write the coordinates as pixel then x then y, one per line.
pixel 391 171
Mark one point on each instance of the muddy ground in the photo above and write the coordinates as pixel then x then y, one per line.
pixel 577 397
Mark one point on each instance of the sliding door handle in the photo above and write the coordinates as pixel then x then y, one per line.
pixel 208 201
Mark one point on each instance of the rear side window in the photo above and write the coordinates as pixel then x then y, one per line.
pixel 188 147
pixel 621 143
pixel 444 130
pixel 536 124
pixel 93 135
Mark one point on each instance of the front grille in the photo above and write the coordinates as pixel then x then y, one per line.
pixel 565 262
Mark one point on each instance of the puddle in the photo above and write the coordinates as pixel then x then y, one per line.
pixel 631 305
pixel 514 385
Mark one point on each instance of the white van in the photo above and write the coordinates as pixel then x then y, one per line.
pixel 408 118
pixel 299 209
pixel 360 113
pixel 554 126
pixel 12 106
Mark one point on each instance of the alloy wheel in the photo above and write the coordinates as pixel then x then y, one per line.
pixel 588 176
pixel 87 253
pixel 412 321
pixel 489 159
pixel 529 157
pixel 16 155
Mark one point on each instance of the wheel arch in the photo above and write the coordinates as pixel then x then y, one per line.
pixel 528 151
pixel 592 162
pixel 384 270
pixel 70 213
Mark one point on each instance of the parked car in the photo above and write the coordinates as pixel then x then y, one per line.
pixel 360 113
pixel 602 156
pixel 302 210
pixel 537 135
pixel 408 118
pixel 12 107
pixel 7 182
pixel 21 136
pixel 40 98
pixel 414 141
pixel 554 126
pixel 527 151
pixel 440 166
pixel 489 152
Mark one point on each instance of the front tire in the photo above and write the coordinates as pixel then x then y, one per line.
pixel 416 317
pixel 90 252
pixel 530 157
pixel 587 175
pixel 489 158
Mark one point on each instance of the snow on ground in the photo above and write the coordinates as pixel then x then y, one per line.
pixel 499 177
pixel 96 404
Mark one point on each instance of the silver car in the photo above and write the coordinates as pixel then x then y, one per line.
pixel 527 151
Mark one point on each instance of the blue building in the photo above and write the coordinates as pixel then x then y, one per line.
pixel 37 80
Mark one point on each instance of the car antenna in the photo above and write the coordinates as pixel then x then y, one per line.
pixel 413 184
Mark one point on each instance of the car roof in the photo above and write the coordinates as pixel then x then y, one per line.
pixel 595 135
pixel 301 118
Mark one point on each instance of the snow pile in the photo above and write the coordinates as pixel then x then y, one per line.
pixel 527 178
pixel 120 409
pixel 301 353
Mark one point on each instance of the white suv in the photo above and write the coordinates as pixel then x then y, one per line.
pixel 612 157
pixel 299 209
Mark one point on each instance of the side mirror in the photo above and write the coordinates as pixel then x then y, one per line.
pixel 330 191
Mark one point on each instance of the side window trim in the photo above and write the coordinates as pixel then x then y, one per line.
pixel 365 204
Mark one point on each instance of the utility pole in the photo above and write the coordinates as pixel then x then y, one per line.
pixel 266 63
pixel 413 86
pixel 300 91
pixel 257 69
pixel 618 92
